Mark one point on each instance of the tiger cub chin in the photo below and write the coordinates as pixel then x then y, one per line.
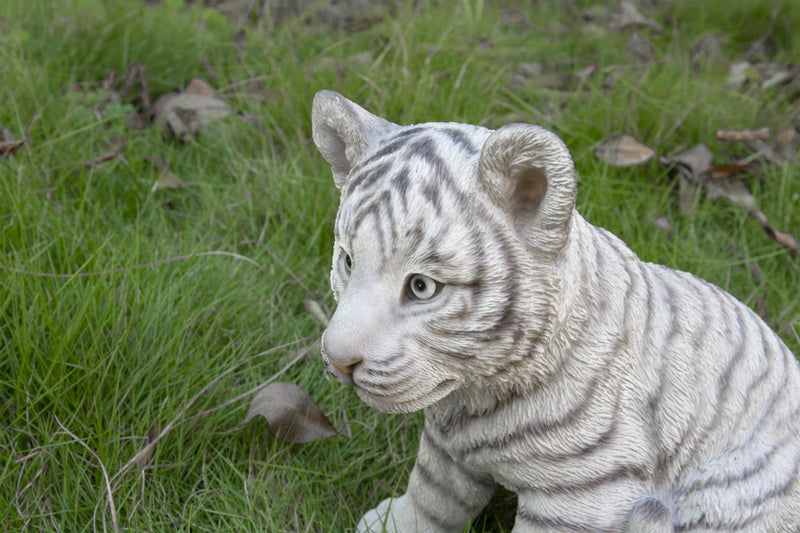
pixel 609 394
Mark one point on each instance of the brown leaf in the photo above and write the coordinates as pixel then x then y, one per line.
pixel 709 47
pixel 149 446
pixel 8 148
pixel 687 196
pixel 166 178
pixel 102 158
pixel 137 121
pixel 787 145
pixel 185 114
pixel 108 83
pixel 761 134
pixel 623 151
pixel 511 17
pixel 358 25
pixel 662 223
pixel 640 49
pixel 787 240
pixel 695 161
pixel 719 172
pixel 292 415
pixel 763 151
pixel 199 86
pixel 630 16
pixel 736 192
pixel 740 73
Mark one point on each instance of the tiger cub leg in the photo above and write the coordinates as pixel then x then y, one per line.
pixel 649 515
pixel 443 496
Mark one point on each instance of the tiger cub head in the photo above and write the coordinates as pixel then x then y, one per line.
pixel 447 241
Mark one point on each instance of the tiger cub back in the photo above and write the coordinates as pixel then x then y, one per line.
pixel 609 394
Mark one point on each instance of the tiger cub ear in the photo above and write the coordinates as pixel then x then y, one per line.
pixel 528 173
pixel 343 131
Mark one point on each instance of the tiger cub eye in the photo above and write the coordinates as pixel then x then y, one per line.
pixel 421 287
pixel 348 264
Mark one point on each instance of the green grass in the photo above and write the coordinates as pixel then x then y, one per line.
pixel 105 356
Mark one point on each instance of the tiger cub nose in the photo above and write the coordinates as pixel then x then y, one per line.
pixel 336 351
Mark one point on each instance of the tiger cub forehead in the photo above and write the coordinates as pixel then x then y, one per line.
pixel 412 200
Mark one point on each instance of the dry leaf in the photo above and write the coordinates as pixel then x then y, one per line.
pixel 623 151
pixel 662 223
pixel 761 134
pixel 736 192
pixel 8 148
pixel 764 151
pixel 149 446
pixel 166 178
pixel 640 49
pixel 687 195
pixel 787 145
pixel 292 415
pixel 761 49
pixel 137 121
pixel 358 25
pixel 199 86
pixel 251 119
pixel 764 75
pixel 720 172
pixel 102 158
pixel 8 145
pixel 740 73
pixel 692 162
pixel 185 114
pixel 512 17
pixel 709 47
pixel 630 16
pixel 529 69
pixel 787 240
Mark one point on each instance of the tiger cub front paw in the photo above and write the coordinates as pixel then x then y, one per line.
pixel 394 515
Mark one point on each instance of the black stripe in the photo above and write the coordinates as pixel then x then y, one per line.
pixel 409 131
pixel 478 479
pixel 531 430
pixel 652 510
pixel 458 137
pixel 557 523
pixel 619 473
pixel 430 192
pixel 367 178
pixel 441 487
pixel 432 516
pixel 391 147
pixel 399 185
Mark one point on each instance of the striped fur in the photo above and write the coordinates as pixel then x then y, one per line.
pixel 609 394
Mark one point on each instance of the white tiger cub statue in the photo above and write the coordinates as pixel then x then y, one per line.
pixel 609 394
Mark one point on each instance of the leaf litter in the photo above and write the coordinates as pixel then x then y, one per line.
pixel 623 151
pixel 8 144
pixel 695 171
pixel 292 415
